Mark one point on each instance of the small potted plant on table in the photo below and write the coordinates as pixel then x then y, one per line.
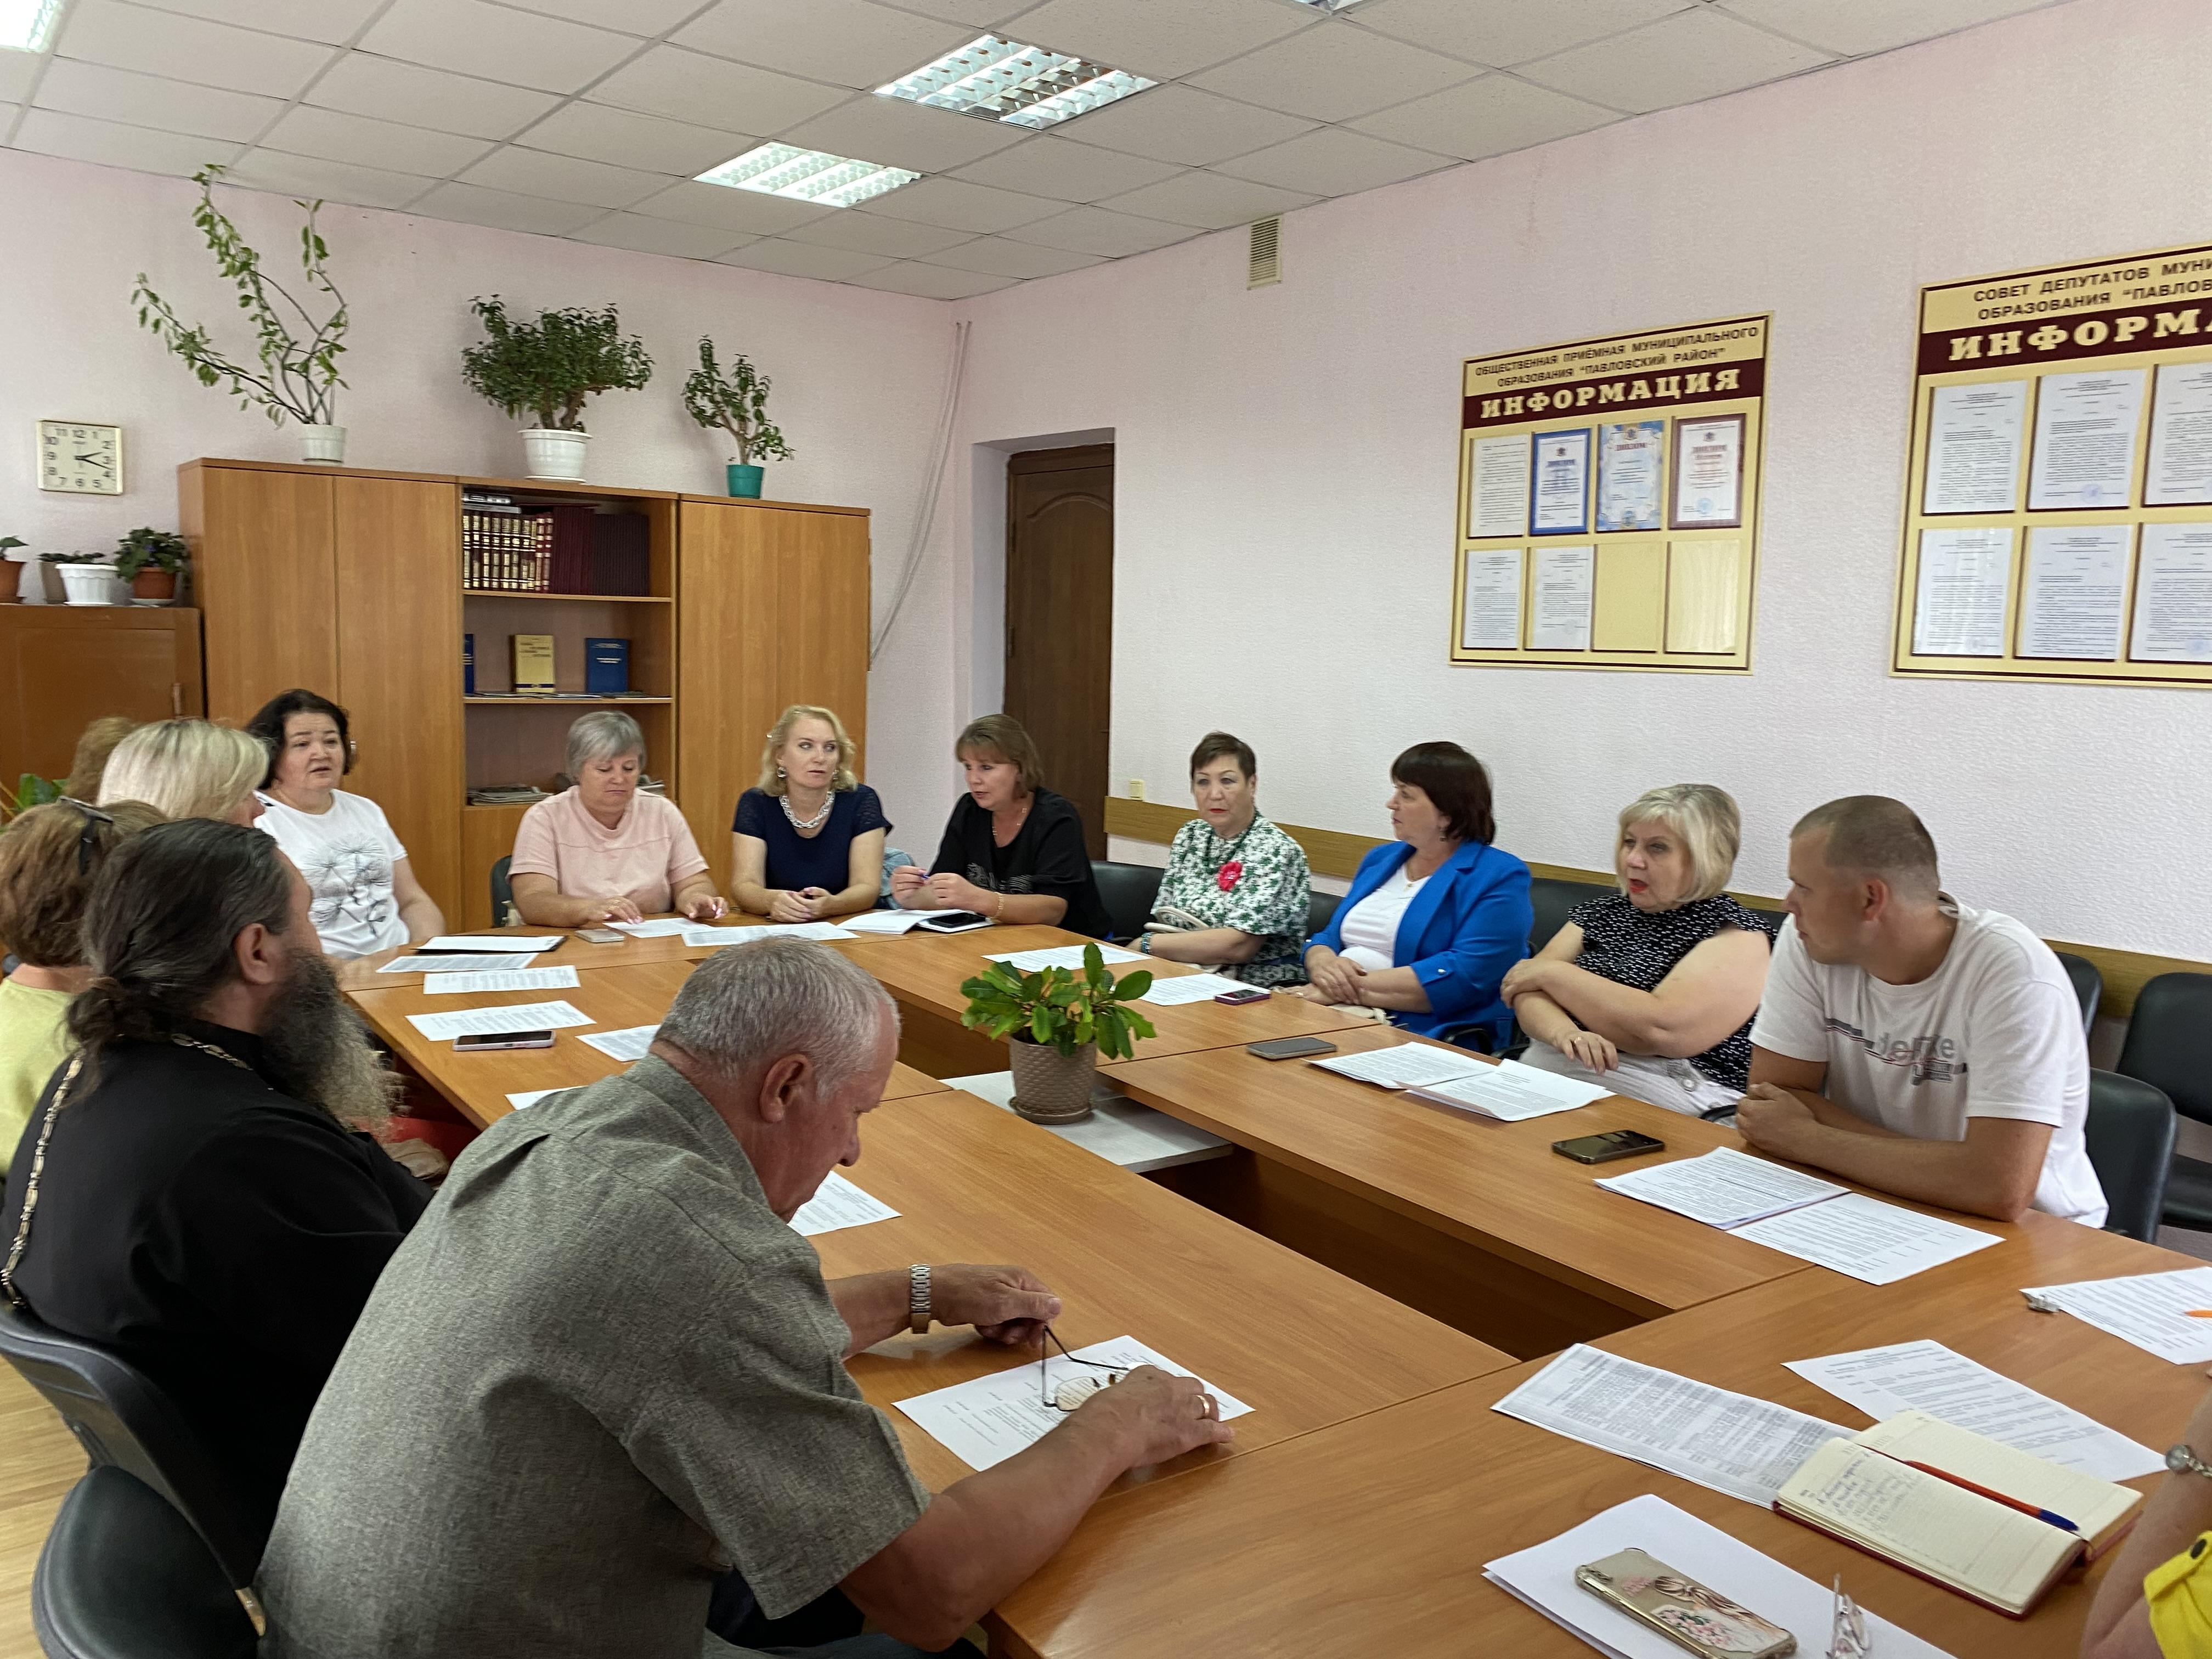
pixel 547 367
pixel 1057 1023
pixel 151 561
pixel 86 578
pixel 737 401
pixel 11 573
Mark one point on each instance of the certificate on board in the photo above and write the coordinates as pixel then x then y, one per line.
pixel 2180 471
pixel 2085 440
pixel 2174 595
pixel 1976 435
pixel 1628 464
pixel 1965 576
pixel 2077 575
pixel 1566 582
pixel 1498 486
pixel 1489 598
pixel 1558 501
pixel 1709 473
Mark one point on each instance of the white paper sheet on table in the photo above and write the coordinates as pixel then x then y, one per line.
pixel 1925 1375
pixel 2151 1310
pixel 531 1096
pixel 629 1043
pixel 491 943
pixel 1723 1189
pixel 985 1420
pixel 1513 1092
pixel 885 921
pixel 514 1017
pixel 495 962
pixel 768 930
pixel 1061 956
pixel 503 979
pixel 837 1203
pixel 1731 1442
pixel 1409 1065
pixel 660 927
pixel 1873 1242
pixel 1544 1577
pixel 1190 988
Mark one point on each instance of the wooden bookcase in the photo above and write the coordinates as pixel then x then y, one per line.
pixel 348 582
pixel 61 666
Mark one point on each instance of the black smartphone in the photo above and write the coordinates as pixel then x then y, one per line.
pixel 1289 1047
pixel 1249 994
pixel 1603 1149
pixel 951 921
pixel 479 1042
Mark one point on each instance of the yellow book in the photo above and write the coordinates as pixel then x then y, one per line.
pixel 533 662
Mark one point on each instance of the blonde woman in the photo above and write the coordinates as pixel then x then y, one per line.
pixel 807 841
pixel 1651 990
pixel 188 768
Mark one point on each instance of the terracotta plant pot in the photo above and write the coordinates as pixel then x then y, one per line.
pixel 10 574
pixel 1050 1087
pixel 154 587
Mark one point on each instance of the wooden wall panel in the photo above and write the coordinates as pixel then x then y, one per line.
pixel 822 593
pixel 727 624
pixel 263 569
pixel 61 667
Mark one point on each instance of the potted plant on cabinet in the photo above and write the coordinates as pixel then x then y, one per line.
pixel 547 367
pixel 299 374
pixel 10 572
pixel 1057 1024
pixel 737 401
pixel 151 561
pixel 86 578
pixel 31 790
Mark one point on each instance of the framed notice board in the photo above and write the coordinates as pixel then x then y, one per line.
pixel 1608 501
pixel 2058 504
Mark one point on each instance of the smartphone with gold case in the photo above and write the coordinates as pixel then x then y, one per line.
pixel 1682 1610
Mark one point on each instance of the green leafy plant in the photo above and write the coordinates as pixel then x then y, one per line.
pixel 547 366
pixel 298 354
pixel 1059 1008
pixel 7 542
pixel 76 558
pixel 148 549
pixel 735 400
pixel 31 790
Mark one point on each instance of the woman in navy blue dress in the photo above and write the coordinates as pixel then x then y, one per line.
pixel 808 840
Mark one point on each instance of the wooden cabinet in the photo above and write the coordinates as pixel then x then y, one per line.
pixel 61 666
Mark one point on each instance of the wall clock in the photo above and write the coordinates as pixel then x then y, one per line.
pixel 81 458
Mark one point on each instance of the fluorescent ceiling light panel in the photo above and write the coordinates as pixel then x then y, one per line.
pixel 29 25
pixel 1330 5
pixel 805 175
pixel 1000 79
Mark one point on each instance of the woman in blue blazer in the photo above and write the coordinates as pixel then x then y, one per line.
pixel 1434 919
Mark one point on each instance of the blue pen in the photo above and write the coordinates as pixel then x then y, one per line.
pixel 2047 1516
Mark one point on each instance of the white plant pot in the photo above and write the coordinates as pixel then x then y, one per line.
pixel 323 443
pixel 547 453
pixel 93 584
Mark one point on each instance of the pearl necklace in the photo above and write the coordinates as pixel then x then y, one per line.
pixel 818 820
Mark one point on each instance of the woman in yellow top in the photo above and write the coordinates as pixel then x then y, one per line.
pixel 2156 1600
pixel 48 859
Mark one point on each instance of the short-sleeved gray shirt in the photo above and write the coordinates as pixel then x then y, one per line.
pixel 600 1373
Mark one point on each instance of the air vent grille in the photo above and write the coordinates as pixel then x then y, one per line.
pixel 1266 264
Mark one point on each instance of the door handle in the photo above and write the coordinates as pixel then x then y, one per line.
pixel 176 698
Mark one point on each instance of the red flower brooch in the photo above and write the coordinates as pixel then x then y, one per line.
pixel 1231 874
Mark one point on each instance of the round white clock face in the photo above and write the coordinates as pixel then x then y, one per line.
pixel 81 458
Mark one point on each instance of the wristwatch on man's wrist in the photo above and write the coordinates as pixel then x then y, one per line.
pixel 918 1308
pixel 2182 1460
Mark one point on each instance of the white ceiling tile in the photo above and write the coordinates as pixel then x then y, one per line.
pixel 849 42
pixel 1678 60
pixel 642 235
pixel 646 17
pixel 519 47
pixel 803 259
pixel 1867 26
pixel 50 132
pixel 336 181
pixel 337 136
pixel 994 256
pixel 1209 201
pixel 1487 118
pixel 1185 125
pixel 598 133
pixel 332 21
pixel 389 90
pixel 932 282
pixel 1163 39
pixel 502 210
pixel 1334 162
pixel 892 238
pixel 894 132
pixel 978 12
pixel 1101 230
pixel 148 101
pixel 957 205
pixel 1046 166
pixel 1504 32
pixel 17 70
pixel 712 92
pixel 189 49
pixel 1333 73
pixel 563 178
pixel 725 209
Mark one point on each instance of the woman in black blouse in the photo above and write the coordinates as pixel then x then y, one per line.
pixel 1012 850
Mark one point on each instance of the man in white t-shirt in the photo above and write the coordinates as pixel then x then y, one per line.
pixel 1911 1044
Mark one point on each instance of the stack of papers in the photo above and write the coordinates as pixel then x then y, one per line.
pixel 1190 988
pixel 1061 955
pixel 697 937
pixel 514 1017
pixel 1801 1215
pixel 1513 1092
pixel 1408 1065
pixel 490 943
pixel 506 979
pixel 837 1203
pixel 2157 1312
pixel 629 1043
pixel 490 961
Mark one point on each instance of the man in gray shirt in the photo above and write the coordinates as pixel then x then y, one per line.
pixel 603 1371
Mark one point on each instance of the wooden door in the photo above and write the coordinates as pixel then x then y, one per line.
pixel 62 667
pixel 264 549
pixel 1060 619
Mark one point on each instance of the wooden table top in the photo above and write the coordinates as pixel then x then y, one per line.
pixel 1304 1346
pixel 478 1085
pixel 1369 1536
pixel 1499 1186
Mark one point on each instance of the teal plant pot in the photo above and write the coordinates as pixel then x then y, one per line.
pixel 745 481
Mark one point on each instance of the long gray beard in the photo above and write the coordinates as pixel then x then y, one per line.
pixel 315 1045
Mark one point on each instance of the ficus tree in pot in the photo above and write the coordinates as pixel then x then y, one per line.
pixel 736 399
pixel 546 366
pixel 1056 1024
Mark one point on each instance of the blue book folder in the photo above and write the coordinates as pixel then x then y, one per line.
pixel 606 667
pixel 468 664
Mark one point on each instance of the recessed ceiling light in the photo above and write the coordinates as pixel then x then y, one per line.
pixel 1000 79
pixel 805 175
pixel 29 25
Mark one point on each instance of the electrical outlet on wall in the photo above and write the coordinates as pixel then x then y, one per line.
pixel 1136 789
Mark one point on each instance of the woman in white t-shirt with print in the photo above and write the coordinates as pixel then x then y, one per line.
pixel 366 897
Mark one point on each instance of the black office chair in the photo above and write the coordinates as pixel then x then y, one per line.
pixel 123 1419
pixel 1128 890
pixel 1552 900
pixel 502 894
pixel 123 1575
pixel 1321 911
pixel 2169 1047
pixel 2089 984
pixel 2129 1132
